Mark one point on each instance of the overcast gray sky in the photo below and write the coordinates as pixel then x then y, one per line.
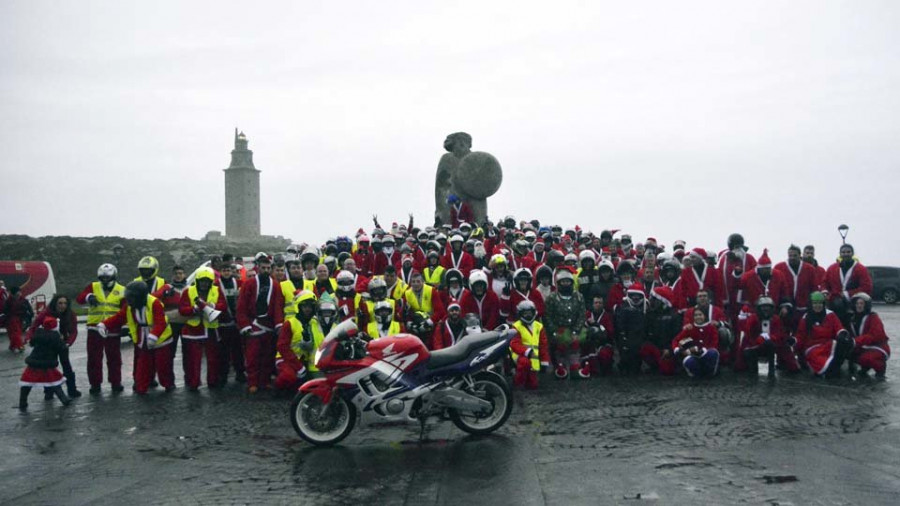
pixel 685 120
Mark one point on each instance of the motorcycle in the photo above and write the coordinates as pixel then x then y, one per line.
pixel 396 378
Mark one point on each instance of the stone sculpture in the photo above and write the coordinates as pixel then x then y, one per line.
pixel 473 176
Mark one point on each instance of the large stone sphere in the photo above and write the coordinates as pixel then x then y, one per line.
pixel 478 176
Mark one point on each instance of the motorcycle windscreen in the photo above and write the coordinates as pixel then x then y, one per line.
pixel 340 332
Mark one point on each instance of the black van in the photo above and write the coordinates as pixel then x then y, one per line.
pixel 885 283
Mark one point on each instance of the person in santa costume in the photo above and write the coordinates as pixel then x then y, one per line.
pixel 716 319
pixel 618 291
pixel 763 281
pixel 801 283
pixel 481 301
pixel 663 324
pixel 349 302
pixel 231 350
pixel 544 276
pixel 870 348
pixel 460 211
pixel 844 279
pixel 523 290
pixel 41 365
pixel 530 351
pixel 764 337
pixel 451 330
pixel 822 339
pixel 457 258
pixel 538 254
pixel 104 298
pixel 697 346
pixel 454 287
pixel 700 276
pixel 200 334
pixel 600 334
pixel 295 342
pixel 146 319
pixel 631 328
pixel 259 318
pixel 59 309
pixel 564 322
pixel 733 263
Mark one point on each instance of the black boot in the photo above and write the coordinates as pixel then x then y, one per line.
pixel 240 377
pixel 751 358
pixel 23 398
pixel 63 398
pixel 70 386
pixel 843 345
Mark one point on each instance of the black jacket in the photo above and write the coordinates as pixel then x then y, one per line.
pixel 47 347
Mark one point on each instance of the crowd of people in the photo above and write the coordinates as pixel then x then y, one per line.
pixel 583 305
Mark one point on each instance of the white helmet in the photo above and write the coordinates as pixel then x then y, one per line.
pixel 345 281
pixel 107 270
pixel 477 276
pixel 586 254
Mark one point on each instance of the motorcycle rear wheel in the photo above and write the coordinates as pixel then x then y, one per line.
pixel 494 389
pixel 321 424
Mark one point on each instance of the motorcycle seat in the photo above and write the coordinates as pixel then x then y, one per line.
pixel 462 349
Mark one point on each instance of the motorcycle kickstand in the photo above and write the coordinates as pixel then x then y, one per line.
pixel 421 429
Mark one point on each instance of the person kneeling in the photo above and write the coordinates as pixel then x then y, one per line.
pixel 698 344
pixel 529 348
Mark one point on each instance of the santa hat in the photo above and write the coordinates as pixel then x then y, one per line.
pixel 50 324
pixel 360 232
pixel 651 240
pixel 636 288
pixel 565 272
pixel 679 254
pixel 406 257
pixel 699 253
pixel 664 294
pixel 764 260
pixel 453 304
pixel 679 245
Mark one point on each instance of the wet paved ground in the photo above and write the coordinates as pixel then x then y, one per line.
pixel 614 440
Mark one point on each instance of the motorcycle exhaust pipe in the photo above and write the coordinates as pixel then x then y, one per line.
pixel 451 398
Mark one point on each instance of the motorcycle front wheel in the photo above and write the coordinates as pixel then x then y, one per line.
pixel 494 389
pixel 319 423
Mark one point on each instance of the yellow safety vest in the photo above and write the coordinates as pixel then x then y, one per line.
pixel 133 326
pixel 310 284
pixel 398 291
pixel 370 308
pixel 211 298
pixel 296 337
pixel 532 340
pixel 434 276
pixel 318 336
pixel 372 329
pixel 158 283
pixel 425 306
pixel 288 289
pixel 107 305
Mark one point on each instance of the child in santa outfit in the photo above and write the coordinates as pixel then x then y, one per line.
pixel 42 368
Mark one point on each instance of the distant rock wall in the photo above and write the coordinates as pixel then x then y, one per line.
pixel 75 259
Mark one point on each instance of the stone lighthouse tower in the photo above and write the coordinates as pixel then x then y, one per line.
pixel 241 192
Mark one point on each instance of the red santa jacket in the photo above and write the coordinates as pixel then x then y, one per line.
pixel 800 284
pixel 463 262
pixel 753 288
pixel 188 309
pixel 604 320
pixel 444 337
pixel 365 261
pixel 691 282
pixel 461 213
pixel 515 297
pixel 704 336
pixel 856 280
pixel 447 298
pixel 754 328
pixel 868 333
pixel 487 309
pixel 71 329
pixel 818 333
pixel 382 260
pixel 247 317
pixel 731 281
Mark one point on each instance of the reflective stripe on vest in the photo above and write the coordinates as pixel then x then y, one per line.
pixel 211 298
pixel 318 336
pixel 531 339
pixel 107 305
pixel 372 329
pixel 413 301
pixel 133 325
pixel 433 276
pixel 370 308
